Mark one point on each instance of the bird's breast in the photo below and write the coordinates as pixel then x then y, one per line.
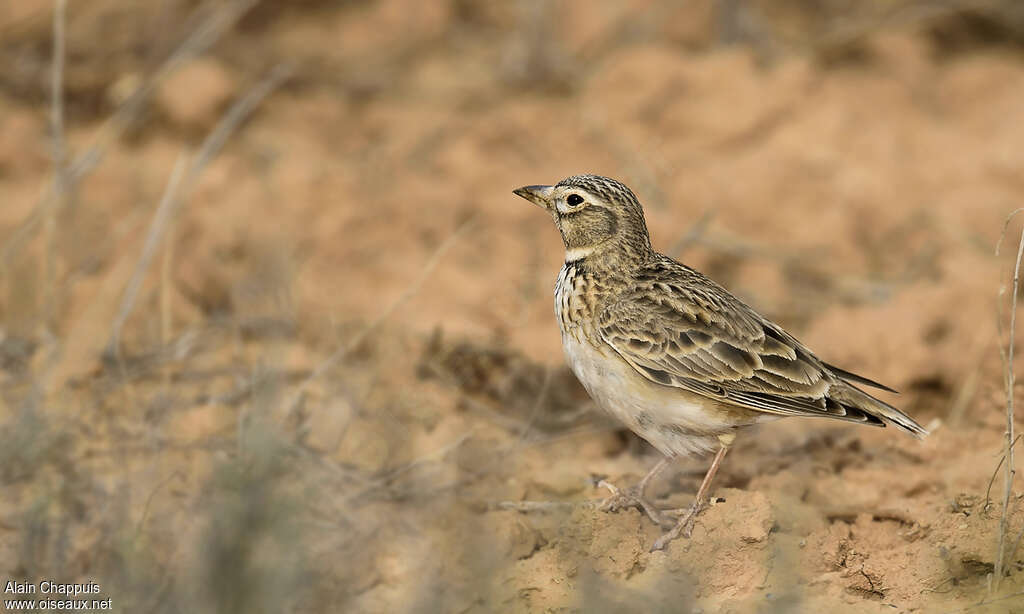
pixel 575 302
pixel 672 420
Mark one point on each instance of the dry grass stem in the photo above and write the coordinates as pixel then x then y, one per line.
pixel 992 480
pixel 200 39
pixel 60 182
pixel 234 116
pixel 693 233
pixel 545 386
pixel 156 228
pixel 178 188
pixel 390 476
pixel 166 295
pixel 544 506
pixel 406 294
pixel 967 391
pixel 1009 470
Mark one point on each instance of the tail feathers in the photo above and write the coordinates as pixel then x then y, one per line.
pixel 856 400
pixel 858 379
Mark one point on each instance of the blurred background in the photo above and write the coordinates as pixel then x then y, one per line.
pixel 276 336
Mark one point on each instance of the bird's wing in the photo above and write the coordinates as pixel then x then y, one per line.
pixel 678 328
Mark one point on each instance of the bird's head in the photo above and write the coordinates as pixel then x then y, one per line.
pixel 592 213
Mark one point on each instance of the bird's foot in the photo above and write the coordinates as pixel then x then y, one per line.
pixel 686 517
pixel 620 500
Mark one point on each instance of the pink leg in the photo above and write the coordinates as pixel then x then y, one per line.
pixel 684 526
pixel 637 497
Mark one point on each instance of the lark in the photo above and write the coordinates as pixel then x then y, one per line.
pixel 673 355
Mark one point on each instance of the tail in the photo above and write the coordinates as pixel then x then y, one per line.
pixel 875 411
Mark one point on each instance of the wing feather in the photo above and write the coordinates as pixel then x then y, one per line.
pixel 678 328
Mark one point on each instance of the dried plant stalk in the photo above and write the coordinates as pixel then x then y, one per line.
pixel 175 194
pixel 200 39
pixel 1009 469
pixel 60 179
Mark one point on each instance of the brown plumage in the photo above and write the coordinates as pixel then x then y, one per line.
pixel 675 356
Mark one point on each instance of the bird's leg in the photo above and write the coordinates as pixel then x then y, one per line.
pixel 684 526
pixel 636 497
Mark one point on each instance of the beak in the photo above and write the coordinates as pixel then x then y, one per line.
pixel 539 195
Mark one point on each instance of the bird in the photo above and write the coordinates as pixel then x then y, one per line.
pixel 673 355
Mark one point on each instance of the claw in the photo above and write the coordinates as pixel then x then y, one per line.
pixel 612 487
pixel 687 517
pixel 683 527
pixel 619 501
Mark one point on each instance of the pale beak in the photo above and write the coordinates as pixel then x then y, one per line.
pixel 539 195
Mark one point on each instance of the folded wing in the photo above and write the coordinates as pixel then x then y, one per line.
pixel 677 333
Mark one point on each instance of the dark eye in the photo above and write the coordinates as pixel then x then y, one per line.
pixel 574 199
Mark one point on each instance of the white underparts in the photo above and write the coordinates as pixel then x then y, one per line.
pixel 675 422
pixel 573 254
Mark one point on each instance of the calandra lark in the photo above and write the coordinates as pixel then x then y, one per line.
pixel 670 353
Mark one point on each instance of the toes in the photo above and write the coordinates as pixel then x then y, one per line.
pixel 612 487
pixel 683 526
pixel 662 542
pixel 656 515
pixel 616 503
pixel 619 500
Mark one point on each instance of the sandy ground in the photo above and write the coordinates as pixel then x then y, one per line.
pixel 340 385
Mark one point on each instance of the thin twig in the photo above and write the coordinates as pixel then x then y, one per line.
pixel 57 85
pixel 391 475
pixel 1008 467
pixel 406 294
pixel 199 39
pixel 1002 286
pixel 149 501
pixel 156 227
pixel 964 396
pixel 493 415
pixel 175 194
pixel 234 117
pixel 544 506
pixel 60 182
pixel 537 405
pixel 166 322
pixel 1016 543
pixel 693 234
pixel 992 479
pixel 968 388
pixel 462 481
pixel 521 441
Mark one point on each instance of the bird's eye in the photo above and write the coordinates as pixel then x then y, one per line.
pixel 574 199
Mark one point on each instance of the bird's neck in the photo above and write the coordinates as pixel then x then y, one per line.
pixel 608 256
pixel 576 254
